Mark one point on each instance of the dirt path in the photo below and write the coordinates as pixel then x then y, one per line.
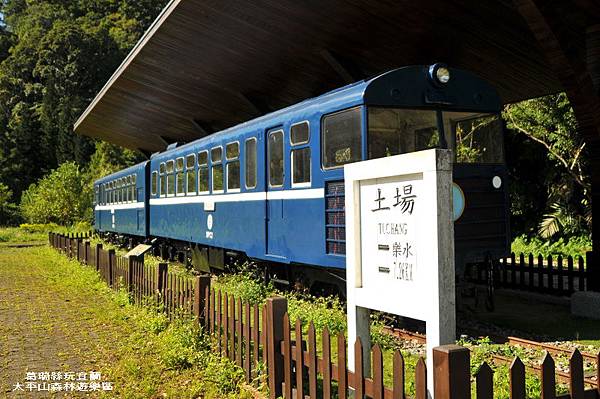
pixel 48 324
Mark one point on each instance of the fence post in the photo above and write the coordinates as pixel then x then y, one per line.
pixel 276 308
pixel 87 252
pixel 451 372
pixel 111 256
pixel 592 272
pixel 202 282
pixel 97 256
pixel 162 274
pixel 129 281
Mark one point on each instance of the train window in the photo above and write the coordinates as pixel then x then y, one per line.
pixel 341 138
pixel 250 162
pixel 171 177
pixel 301 167
pixel 123 189
pixel 203 172
pixel 299 133
pixel 128 187
pixel 217 178
pixel 163 179
pixel 134 188
pixel 395 131
pixel 478 138
pixel 216 155
pixel 180 176
pixel 233 175
pixel 190 166
pixel 232 150
pixel 276 158
pixel 154 183
pixel 232 153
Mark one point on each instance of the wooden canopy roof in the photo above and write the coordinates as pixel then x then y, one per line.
pixel 209 64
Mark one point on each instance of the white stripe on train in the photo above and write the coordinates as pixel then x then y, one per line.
pixel 313 193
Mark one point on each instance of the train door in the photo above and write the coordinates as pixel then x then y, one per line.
pixel 275 177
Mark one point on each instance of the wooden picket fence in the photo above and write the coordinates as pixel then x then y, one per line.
pixel 550 275
pixel 261 340
pixel 146 284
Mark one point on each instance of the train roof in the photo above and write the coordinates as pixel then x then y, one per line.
pixel 205 66
pixel 124 172
pixel 408 86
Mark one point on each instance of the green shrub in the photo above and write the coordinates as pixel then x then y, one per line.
pixel 322 311
pixel 573 246
pixel 62 197
pixel 246 285
pixel 181 345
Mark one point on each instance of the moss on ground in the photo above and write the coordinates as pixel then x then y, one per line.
pixel 57 315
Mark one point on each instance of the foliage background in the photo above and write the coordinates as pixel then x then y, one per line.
pixel 55 55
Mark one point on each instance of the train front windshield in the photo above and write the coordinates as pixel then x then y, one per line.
pixel 473 137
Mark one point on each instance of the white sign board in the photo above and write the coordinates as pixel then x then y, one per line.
pixel 400 245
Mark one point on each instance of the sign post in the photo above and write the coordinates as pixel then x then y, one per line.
pixel 400 246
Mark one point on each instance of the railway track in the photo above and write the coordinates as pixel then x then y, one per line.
pixel 552 349
pixel 405 334
pixel 561 376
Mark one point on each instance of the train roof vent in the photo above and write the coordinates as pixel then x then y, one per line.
pixel 172 146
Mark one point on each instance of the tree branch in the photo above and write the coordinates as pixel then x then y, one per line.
pixel 575 176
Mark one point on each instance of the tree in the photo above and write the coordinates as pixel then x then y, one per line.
pixel 9 213
pixel 55 55
pixel 62 197
pixel 108 159
pixel 549 124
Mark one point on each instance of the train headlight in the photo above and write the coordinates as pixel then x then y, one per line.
pixel 497 182
pixel 442 75
pixel 439 74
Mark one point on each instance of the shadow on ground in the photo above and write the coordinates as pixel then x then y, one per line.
pixel 532 317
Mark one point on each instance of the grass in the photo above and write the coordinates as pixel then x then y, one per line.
pixel 58 315
pixel 512 313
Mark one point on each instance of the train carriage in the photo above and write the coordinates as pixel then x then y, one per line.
pixel 272 188
pixel 121 202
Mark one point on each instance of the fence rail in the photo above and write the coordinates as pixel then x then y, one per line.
pixel 252 335
pixel 560 276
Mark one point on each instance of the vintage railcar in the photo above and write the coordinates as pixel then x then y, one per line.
pixel 121 202
pixel 272 188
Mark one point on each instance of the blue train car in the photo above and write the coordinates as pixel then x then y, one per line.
pixel 272 188
pixel 121 202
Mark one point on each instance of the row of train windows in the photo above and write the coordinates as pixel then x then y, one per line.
pixel 118 191
pixel 180 177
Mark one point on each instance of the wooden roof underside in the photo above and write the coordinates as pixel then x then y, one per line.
pixel 209 64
